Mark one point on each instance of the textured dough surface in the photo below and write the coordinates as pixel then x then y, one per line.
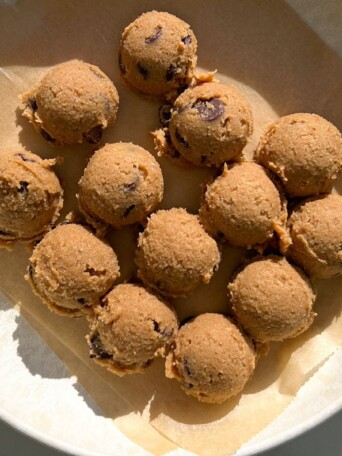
pixel 130 328
pixel 272 299
pixel 157 54
pixel 316 231
pixel 244 206
pixel 210 124
pixel 304 151
pixel 121 185
pixel 175 254
pixel 31 196
pixel 72 103
pixel 71 269
pixel 212 359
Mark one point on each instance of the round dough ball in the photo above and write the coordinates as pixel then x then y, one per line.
pixel 272 299
pixel 316 231
pixel 30 196
pixel 130 328
pixel 73 103
pixel 212 359
pixel 304 151
pixel 157 54
pixel 71 269
pixel 121 185
pixel 244 206
pixel 175 254
pixel 210 124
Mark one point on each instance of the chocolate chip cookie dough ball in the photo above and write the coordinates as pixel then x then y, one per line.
pixel 30 197
pixel 304 151
pixel 316 231
pixel 121 185
pixel 272 299
pixel 130 328
pixel 210 124
pixel 244 206
pixel 71 269
pixel 212 359
pixel 157 54
pixel 73 103
pixel 175 254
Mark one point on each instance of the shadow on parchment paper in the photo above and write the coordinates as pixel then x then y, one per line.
pixel 296 65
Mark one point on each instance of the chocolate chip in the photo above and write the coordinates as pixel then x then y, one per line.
pixel 168 137
pixel 81 301
pixel 132 185
pixel 165 112
pixel 187 368
pixel 24 158
pixel 146 364
pixel 46 136
pixel 94 135
pixel 171 72
pixel 32 103
pixel 23 187
pixel 129 210
pixel 30 270
pixel 156 34
pixel 142 70
pixel 209 109
pixel 167 332
pixel 187 39
pixel 156 326
pixel 97 349
pixel 180 139
pixel 121 65
pixel 188 385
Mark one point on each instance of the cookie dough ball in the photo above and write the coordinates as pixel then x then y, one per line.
pixel 210 124
pixel 122 184
pixel 304 151
pixel 212 359
pixel 157 54
pixel 316 231
pixel 272 299
pixel 71 269
pixel 73 103
pixel 130 328
pixel 175 254
pixel 244 206
pixel 30 196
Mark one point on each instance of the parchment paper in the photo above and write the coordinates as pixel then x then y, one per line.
pixel 282 67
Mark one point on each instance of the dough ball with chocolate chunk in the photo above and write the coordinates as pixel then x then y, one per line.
pixel 175 254
pixel 316 231
pixel 157 54
pixel 71 269
pixel 30 196
pixel 272 299
pixel 121 185
pixel 304 151
pixel 244 206
pixel 72 104
pixel 210 124
pixel 212 358
pixel 130 328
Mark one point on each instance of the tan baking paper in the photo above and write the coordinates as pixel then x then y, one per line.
pixel 282 67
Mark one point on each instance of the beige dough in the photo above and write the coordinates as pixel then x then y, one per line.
pixel 121 185
pixel 157 54
pixel 212 359
pixel 210 124
pixel 272 299
pixel 31 197
pixel 304 151
pixel 130 328
pixel 316 231
pixel 244 207
pixel 72 103
pixel 175 254
pixel 71 269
